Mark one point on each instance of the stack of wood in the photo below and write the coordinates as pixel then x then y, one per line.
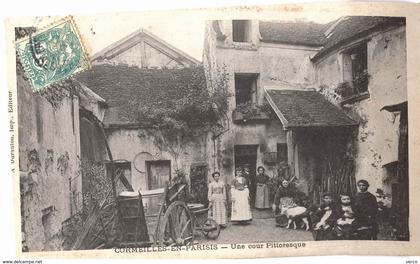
pixel 338 177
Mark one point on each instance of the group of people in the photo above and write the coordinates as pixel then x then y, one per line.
pixel 340 219
pixel 349 217
pixel 240 197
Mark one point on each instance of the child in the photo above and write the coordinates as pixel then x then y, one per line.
pixel 346 221
pixel 326 218
pixel 217 200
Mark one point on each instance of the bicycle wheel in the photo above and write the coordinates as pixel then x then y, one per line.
pixel 211 228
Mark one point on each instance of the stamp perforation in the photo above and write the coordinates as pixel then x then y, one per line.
pixel 85 61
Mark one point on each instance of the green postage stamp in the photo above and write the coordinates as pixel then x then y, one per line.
pixel 53 54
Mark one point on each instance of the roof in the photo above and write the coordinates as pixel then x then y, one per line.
pixel 300 108
pixel 143 35
pixel 396 107
pixel 126 87
pixel 352 28
pixel 325 36
pixel 298 33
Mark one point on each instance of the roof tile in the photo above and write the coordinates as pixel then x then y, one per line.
pixel 124 86
pixel 308 109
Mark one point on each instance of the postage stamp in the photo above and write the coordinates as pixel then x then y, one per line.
pixel 52 54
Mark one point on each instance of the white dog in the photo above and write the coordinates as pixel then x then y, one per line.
pixel 293 213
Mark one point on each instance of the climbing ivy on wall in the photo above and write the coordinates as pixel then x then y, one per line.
pixel 198 109
pixel 192 107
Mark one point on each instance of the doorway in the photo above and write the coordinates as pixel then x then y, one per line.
pixel 246 159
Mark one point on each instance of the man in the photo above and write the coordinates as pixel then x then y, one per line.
pixel 366 208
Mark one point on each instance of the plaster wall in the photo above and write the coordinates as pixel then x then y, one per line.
pixel 125 144
pixel 132 56
pixel 144 55
pixel 48 162
pixel 278 66
pixel 377 139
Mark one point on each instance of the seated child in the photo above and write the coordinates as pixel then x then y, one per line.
pixel 324 218
pixel 346 222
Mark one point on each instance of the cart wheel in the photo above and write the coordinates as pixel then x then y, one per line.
pixel 176 227
pixel 211 229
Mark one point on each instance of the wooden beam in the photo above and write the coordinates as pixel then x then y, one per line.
pixel 144 62
pixel 296 157
pixel 290 152
pixel 273 105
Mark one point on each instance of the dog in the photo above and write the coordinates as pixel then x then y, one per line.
pixel 295 213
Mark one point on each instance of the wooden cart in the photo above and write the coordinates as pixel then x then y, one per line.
pixel 175 224
pixel 178 221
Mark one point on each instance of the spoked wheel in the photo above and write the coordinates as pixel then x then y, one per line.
pixel 176 227
pixel 211 229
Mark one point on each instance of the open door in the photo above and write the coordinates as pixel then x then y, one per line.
pixel 246 159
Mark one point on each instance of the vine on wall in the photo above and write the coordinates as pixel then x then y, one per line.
pixel 199 111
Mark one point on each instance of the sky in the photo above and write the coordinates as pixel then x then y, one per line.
pixel 185 32
pixel 182 29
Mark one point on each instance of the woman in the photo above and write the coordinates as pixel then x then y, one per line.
pixel 241 211
pixel 285 197
pixel 217 199
pixel 262 194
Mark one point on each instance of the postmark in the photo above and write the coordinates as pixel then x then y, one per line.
pixel 52 54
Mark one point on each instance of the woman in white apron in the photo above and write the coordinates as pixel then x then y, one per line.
pixel 241 211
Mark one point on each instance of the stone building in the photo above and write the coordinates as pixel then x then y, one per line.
pixel 145 50
pixel 143 69
pixel 363 68
pixel 322 98
pixel 289 65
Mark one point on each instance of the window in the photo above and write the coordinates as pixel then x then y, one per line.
pixel 282 153
pixel 355 72
pixel 359 68
pixel 245 88
pixel 158 173
pixel 241 30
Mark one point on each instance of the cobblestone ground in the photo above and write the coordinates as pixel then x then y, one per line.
pixel 261 229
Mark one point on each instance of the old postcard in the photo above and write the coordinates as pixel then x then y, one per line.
pixel 243 132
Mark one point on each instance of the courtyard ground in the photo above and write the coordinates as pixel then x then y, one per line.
pixel 261 229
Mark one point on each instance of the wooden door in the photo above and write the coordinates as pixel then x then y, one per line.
pixel 158 173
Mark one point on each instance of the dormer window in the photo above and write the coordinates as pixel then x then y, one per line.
pixel 241 30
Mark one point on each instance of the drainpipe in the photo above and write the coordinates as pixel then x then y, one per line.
pixel 214 141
